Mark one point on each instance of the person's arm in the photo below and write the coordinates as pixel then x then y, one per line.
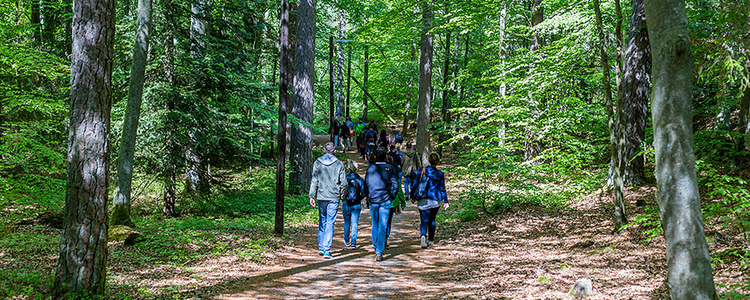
pixel 314 184
pixel 342 181
pixel 392 176
pixel 442 191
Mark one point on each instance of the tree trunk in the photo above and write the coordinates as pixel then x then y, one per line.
pixel 340 88
pixel 688 262
pixel 444 117
pixel 121 199
pixel 425 84
pixel 304 72
pixel 170 141
pixel 364 82
pixel 281 136
pixel 36 22
pixel 635 94
pixel 196 173
pixel 532 145
pixel 82 262
pixel 409 88
pixel 619 214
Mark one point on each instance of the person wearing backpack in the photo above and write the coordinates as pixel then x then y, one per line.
pixel 409 161
pixel 399 204
pixel 334 130
pixel 371 138
pixel 355 192
pixel 344 137
pixel 428 190
pixel 380 188
pixel 360 127
pixel 328 186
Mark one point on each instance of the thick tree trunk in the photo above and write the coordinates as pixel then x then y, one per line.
pixel 36 22
pixel 444 117
pixel 82 262
pixel 635 94
pixel 425 84
pixel 121 199
pixel 281 135
pixel 409 88
pixel 364 82
pixel 620 218
pixel 689 265
pixel 304 72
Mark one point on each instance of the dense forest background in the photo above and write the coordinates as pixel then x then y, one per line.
pixel 519 105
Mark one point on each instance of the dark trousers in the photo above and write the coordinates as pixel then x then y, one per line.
pixel 427 224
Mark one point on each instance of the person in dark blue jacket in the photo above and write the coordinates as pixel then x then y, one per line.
pixel 355 192
pixel 430 204
pixel 380 188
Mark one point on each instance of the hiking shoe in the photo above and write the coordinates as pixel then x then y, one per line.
pixel 423 241
pixel 327 256
pixel 346 244
pixel 320 251
pixel 430 243
pixel 353 247
pixel 378 257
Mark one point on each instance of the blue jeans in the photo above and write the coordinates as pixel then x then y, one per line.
pixel 427 222
pixel 335 141
pixel 379 215
pixel 327 211
pixel 407 185
pixel 351 220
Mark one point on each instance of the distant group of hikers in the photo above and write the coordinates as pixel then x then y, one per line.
pixel 381 188
pixel 366 136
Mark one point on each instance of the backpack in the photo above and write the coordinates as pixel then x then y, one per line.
pixel 398 139
pixel 421 190
pixel 353 192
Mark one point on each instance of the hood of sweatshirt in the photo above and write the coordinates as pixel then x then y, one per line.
pixel 432 173
pixel 351 176
pixel 328 159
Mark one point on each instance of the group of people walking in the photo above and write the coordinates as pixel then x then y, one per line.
pixel 366 136
pixel 333 181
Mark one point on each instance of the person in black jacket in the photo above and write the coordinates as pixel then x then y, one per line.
pixel 429 198
pixel 380 188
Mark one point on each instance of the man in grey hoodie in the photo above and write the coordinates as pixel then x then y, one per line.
pixel 328 186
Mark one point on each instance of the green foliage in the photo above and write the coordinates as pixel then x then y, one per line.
pixel 649 221
pixel 730 200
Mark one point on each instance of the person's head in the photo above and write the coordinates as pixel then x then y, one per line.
pixel 408 145
pixel 372 126
pixel 389 159
pixel 380 154
pixel 434 159
pixel 393 127
pixel 348 118
pixel 371 158
pixel 329 147
pixel 361 121
pixel 383 133
pixel 351 166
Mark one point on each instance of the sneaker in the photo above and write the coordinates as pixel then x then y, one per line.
pixel 423 241
pixel 378 257
pixel 353 247
pixel 346 244
pixel 430 243
pixel 327 256
pixel 320 251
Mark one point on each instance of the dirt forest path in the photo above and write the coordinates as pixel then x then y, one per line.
pixel 406 272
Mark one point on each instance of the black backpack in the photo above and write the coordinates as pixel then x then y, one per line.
pixel 398 139
pixel 353 192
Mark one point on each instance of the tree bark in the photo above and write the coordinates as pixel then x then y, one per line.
pixel 121 200
pixel 340 91
pixel 304 72
pixel 36 22
pixel 409 88
pixel 82 262
pixel 688 262
pixel 425 84
pixel 364 82
pixel 620 218
pixel 635 93
pixel 281 135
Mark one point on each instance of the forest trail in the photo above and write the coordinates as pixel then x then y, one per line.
pixel 406 272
